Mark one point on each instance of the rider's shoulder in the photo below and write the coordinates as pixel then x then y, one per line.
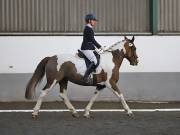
pixel 88 29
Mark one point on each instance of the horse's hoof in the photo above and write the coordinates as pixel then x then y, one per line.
pixel 35 115
pixel 75 115
pixel 130 115
pixel 87 116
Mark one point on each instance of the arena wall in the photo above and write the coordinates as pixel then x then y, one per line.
pixel 156 78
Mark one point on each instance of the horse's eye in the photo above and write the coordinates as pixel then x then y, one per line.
pixel 130 44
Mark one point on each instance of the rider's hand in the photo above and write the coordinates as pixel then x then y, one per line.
pixel 103 48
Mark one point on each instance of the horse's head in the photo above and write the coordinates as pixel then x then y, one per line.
pixel 129 50
pixel 125 49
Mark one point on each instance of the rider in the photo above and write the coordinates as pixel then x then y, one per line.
pixel 89 43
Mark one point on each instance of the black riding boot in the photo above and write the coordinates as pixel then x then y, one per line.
pixel 88 71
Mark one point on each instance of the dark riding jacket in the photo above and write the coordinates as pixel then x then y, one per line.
pixel 89 42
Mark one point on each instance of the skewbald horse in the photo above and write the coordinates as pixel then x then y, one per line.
pixel 65 67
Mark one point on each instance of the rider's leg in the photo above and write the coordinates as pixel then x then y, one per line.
pixel 89 70
pixel 90 55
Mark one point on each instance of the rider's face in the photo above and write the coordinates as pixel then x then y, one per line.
pixel 93 23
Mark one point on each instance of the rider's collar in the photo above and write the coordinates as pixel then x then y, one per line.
pixel 89 25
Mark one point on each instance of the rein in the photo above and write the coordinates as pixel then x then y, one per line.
pixel 110 48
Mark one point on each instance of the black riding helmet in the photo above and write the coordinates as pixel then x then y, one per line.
pixel 90 17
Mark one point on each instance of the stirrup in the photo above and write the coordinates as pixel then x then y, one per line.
pixel 88 80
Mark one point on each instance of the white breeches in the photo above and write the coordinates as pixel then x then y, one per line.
pixel 90 55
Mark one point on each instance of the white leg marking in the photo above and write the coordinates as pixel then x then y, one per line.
pixel 88 107
pixel 108 85
pixel 39 102
pixel 42 95
pixel 126 107
pixel 67 102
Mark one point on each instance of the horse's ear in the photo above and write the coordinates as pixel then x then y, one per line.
pixel 132 40
pixel 125 38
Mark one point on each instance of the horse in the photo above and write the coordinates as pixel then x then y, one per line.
pixel 69 67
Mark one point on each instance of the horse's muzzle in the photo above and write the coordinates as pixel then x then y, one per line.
pixel 134 63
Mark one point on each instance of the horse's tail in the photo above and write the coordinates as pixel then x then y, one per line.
pixel 36 78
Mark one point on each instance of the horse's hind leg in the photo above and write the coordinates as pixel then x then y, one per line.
pixel 63 95
pixel 43 93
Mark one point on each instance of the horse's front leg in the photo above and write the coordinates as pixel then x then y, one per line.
pixel 119 94
pixel 91 102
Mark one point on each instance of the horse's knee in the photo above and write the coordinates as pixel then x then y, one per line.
pixel 114 85
pixel 110 83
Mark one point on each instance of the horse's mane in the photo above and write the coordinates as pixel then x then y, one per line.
pixel 115 46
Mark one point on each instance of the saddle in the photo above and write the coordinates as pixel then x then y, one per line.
pixel 87 61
